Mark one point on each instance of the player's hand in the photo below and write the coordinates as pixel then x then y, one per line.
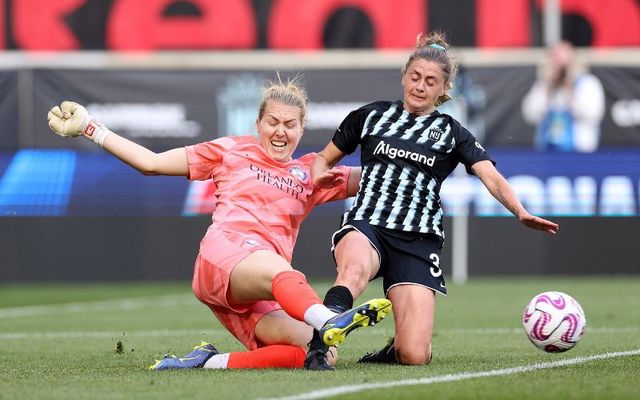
pixel 539 224
pixel 69 119
pixel 329 179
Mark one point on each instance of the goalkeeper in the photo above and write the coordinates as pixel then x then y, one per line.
pixel 243 271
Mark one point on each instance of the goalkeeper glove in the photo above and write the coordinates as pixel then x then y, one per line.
pixel 71 119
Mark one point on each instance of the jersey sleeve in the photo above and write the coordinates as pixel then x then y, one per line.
pixel 468 148
pixel 204 157
pixel 347 136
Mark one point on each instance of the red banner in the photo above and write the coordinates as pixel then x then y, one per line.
pixel 310 24
pixel 136 25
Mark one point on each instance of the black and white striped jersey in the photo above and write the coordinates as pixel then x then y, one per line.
pixel 405 158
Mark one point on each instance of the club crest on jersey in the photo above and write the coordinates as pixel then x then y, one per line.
pixel 299 173
pixel 435 133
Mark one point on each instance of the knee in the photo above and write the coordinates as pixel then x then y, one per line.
pixel 418 355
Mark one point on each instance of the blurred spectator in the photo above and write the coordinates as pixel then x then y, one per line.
pixel 566 104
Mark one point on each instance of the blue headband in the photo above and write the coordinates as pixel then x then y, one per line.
pixel 437 46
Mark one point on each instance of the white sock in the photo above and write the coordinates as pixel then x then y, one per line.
pixel 317 315
pixel 217 361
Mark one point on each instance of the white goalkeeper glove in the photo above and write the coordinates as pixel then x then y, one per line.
pixel 70 119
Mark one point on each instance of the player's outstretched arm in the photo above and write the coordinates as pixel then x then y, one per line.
pixel 71 119
pixel 322 172
pixel 499 188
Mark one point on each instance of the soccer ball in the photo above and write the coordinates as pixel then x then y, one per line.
pixel 554 321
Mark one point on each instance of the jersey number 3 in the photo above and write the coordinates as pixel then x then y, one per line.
pixel 435 270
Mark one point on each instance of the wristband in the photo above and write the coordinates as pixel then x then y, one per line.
pixel 95 131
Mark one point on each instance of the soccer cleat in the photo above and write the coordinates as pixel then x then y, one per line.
pixel 316 360
pixel 336 329
pixel 196 359
pixel 386 355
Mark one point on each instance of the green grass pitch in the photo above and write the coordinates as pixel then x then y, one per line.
pixel 96 341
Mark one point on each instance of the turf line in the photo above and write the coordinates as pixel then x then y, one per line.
pixel 122 304
pixel 174 332
pixel 340 390
pixel 107 334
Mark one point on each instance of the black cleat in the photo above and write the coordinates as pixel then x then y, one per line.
pixel 317 361
pixel 387 355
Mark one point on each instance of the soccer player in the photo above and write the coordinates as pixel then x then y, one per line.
pixel 394 228
pixel 243 271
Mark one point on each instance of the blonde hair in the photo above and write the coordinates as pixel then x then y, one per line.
pixel 434 47
pixel 290 91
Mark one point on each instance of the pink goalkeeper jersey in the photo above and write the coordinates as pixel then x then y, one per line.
pixel 255 194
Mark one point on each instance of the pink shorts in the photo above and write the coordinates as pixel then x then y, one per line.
pixel 220 252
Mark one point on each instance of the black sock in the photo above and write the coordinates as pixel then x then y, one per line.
pixel 317 344
pixel 338 299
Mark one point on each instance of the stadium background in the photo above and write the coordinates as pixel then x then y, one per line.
pixel 169 73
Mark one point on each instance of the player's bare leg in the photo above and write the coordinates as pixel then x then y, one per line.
pixel 279 328
pixel 357 262
pixel 264 275
pixel 414 312
pixel 251 280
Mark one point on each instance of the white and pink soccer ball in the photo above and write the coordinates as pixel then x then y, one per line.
pixel 554 321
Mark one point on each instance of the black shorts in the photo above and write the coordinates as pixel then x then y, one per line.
pixel 405 257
